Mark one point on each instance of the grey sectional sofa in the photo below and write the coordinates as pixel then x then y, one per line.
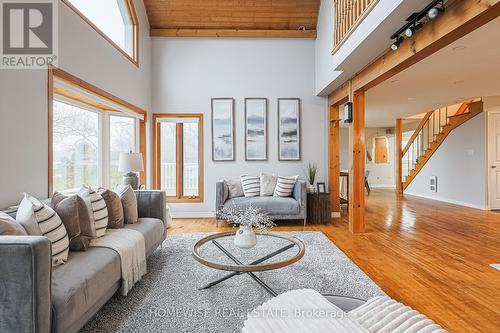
pixel 292 208
pixel 36 298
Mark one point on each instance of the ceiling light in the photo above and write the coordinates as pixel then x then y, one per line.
pixel 396 43
pixel 411 30
pixel 411 99
pixel 437 9
pixel 433 13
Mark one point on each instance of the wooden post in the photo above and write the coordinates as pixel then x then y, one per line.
pixel 334 158
pixel 399 156
pixel 357 154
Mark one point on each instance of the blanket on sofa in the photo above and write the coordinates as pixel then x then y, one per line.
pixel 131 247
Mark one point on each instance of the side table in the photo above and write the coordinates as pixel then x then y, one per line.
pixel 319 208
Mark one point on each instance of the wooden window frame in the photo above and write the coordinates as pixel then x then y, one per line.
pixel 179 156
pixel 54 72
pixel 135 33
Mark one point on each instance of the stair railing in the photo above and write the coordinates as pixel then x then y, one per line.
pixel 424 136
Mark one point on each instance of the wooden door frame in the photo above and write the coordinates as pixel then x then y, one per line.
pixel 157 155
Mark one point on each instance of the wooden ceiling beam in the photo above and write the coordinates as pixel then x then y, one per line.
pixel 459 19
pixel 250 33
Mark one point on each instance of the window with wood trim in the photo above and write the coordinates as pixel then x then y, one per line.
pixel 115 20
pixel 88 129
pixel 178 156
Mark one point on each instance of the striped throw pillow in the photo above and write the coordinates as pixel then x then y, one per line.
pixel 251 186
pixel 50 225
pixel 284 186
pixel 98 211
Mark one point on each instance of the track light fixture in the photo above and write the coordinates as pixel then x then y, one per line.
pixel 417 21
pixel 435 11
pixel 396 43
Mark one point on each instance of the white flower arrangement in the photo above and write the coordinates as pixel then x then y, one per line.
pixel 247 217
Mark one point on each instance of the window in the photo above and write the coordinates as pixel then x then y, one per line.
pixel 114 19
pixel 80 147
pixel 75 147
pixel 122 139
pixel 88 129
pixel 178 159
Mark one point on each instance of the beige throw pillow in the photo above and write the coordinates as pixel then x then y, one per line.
pixel 129 203
pixel 49 225
pixel 115 208
pixel 9 226
pixel 87 226
pixel 97 209
pixel 267 184
pixel 234 187
pixel 69 210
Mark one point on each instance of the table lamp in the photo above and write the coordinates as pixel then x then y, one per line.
pixel 131 163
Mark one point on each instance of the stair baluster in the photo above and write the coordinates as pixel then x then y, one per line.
pixel 426 139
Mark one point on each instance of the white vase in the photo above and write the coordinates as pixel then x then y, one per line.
pixel 245 238
pixel 310 188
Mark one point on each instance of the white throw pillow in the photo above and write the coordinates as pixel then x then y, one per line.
pixel 98 211
pixel 251 186
pixel 284 186
pixel 48 224
pixel 267 184
pixel 234 187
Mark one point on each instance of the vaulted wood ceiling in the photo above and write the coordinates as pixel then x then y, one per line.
pixel 233 18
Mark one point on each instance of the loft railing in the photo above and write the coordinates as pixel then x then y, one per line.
pixel 426 134
pixel 348 14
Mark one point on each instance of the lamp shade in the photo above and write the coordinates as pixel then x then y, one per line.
pixel 130 162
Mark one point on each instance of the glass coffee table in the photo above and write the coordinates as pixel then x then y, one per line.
pixel 272 251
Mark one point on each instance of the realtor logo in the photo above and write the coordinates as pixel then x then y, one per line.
pixel 29 31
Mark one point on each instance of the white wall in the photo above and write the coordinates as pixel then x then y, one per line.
pixel 23 98
pixel 381 175
pixel 460 167
pixel 190 71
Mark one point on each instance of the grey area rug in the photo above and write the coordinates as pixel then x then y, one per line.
pixel 167 299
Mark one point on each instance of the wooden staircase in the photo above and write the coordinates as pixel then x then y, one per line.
pixel 430 133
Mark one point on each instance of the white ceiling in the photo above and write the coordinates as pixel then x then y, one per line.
pixel 469 67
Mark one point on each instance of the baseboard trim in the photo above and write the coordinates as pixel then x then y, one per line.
pixel 391 186
pixel 192 215
pixel 447 200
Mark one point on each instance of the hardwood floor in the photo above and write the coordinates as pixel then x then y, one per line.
pixel 427 254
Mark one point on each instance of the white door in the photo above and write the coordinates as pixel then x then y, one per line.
pixel 494 160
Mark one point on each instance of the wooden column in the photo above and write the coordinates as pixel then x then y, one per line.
pixel 357 152
pixel 334 158
pixel 399 156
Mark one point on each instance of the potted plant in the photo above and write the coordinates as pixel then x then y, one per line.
pixel 248 219
pixel 312 170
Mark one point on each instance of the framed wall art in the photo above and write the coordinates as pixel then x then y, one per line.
pixel 256 129
pixel 289 129
pixel 223 129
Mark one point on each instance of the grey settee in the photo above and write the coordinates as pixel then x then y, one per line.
pixel 292 208
pixel 36 298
